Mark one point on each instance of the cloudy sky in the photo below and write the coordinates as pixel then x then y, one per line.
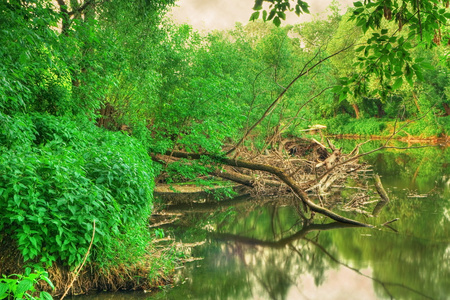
pixel 221 14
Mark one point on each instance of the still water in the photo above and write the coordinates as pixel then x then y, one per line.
pixel 259 249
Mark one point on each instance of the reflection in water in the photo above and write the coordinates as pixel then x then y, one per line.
pixel 260 250
pixel 254 266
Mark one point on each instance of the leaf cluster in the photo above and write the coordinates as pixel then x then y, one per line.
pixel 24 286
pixel 277 10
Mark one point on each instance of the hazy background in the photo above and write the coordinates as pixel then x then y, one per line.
pixel 223 14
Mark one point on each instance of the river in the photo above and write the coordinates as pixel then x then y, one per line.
pixel 258 249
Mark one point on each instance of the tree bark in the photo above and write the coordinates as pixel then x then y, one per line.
pixel 384 196
pixel 381 112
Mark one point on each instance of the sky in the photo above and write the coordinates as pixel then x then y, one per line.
pixel 206 15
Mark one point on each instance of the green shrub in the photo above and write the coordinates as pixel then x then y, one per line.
pixel 428 127
pixel 16 132
pixel 66 175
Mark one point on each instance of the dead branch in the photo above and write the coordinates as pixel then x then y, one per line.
pixel 380 189
pixel 243 179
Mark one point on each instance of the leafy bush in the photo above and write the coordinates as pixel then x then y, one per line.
pixel 65 175
pixel 428 127
pixel 24 286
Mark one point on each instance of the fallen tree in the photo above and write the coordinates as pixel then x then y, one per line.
pixel 281 171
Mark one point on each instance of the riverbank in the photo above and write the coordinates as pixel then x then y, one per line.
pixel 434 140
pixel 149 271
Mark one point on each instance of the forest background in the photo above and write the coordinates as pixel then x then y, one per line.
pixel 88 89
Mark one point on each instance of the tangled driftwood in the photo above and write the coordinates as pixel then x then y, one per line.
pixel 297 166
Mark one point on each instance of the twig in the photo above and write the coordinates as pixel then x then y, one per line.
pixel 389 222
pixel 82 264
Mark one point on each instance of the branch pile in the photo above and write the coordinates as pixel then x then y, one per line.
pixel 298 166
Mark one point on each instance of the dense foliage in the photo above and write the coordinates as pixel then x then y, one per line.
pixel 62 176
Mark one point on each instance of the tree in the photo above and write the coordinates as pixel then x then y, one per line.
pixel 33 76
pixel 63 179
pixel 386 54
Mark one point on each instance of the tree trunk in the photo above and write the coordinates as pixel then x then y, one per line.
pixel 380 189
pixel 447 109
pixel 416 102
pixel 356 109
pixel 381 112
pixel 65 16
pixel 243 179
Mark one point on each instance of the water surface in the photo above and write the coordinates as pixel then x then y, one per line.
pixel 259 249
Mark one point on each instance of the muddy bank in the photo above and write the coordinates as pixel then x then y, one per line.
pixel 149 272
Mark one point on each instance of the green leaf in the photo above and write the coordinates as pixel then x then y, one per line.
pixel 398 83
pixel 336 89
pixel 3 289
pixel 357 12
pixel 282 15
pixel 343 96
pixel 305 7
pixel 277 21
pixel 427 65
pixel 258 5
pixel 254 16
pixel 271 14
pixel 45 296
pixel 419 74
pixel 264 16
pixel 357 4
pixel 24 286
